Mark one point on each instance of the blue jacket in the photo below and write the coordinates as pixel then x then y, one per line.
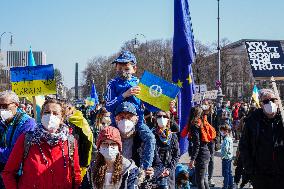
pixel 9 134
pixel 115 88
pixel 227 148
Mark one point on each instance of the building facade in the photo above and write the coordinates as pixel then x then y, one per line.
pixel 10 59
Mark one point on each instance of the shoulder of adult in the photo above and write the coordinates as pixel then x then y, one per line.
pixel 128 165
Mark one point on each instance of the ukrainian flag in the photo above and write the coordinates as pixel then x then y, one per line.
pixel 157 91
pixel 33 80
pixel 255 95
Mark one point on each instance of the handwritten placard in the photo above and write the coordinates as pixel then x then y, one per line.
pixel 33 80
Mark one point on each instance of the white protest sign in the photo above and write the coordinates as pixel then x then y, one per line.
pixel 203 88
pixel 212 95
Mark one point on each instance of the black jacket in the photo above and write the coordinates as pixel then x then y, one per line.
pixel 200 150
pixel 262 145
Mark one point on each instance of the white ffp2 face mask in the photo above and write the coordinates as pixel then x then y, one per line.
pixel 162 122
pixel 6 114
pixel 109 153
pixel 270 108
pixel 50 122
pixel 125 126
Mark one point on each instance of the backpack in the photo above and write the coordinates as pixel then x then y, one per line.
pixel 208 133
pixel 71 149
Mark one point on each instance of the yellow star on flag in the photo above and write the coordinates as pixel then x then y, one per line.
pixel 179 83
pixel 189 79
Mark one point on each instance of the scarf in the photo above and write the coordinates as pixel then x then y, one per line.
pixel 41 135
pixel 164 135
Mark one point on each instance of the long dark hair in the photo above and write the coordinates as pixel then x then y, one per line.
pixel 100 169
pixel 195 114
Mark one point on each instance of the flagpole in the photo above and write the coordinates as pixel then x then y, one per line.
pixel 219 94
pixel 34 108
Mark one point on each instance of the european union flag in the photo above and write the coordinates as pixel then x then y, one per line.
pixel 157 91
pixel 183 56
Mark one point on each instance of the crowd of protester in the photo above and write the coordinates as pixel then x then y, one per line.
pixel 124 143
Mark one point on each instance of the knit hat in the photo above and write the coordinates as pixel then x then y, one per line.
pixel 110 133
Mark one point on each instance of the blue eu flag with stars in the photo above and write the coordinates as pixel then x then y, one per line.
pixel 183 57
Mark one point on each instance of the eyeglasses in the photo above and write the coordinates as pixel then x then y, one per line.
pixel 266 101
pixel 5 106
pixel 162 116
pixel 106 145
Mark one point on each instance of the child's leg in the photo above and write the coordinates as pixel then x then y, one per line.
pixel 148 138
pixel 225 173
pixel 231 180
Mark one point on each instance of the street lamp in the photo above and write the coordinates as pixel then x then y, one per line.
pixel 218 83
pixel 11 38
pixel 136 45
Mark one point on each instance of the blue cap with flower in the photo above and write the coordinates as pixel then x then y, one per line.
pixel 125 57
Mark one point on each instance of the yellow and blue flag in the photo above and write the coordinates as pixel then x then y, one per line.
pixel 33 80
pixel 39 99
pixel 183 57
pixel 157 91
pixel 255 95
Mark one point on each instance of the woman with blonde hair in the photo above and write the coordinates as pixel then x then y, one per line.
pixel 111 170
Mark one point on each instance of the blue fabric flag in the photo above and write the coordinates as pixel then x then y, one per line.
pixel 183 57
pixel 94 94
pixel 31 60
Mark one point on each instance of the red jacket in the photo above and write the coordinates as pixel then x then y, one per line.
pixel 38 174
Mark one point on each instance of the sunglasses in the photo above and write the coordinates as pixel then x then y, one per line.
pixel 5 106
pixel 268 100
pixel 162 116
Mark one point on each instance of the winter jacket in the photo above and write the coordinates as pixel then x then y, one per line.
pixel 115 88
pixel 227 148
pixel 9 134
pixel 84 136
pixel 143 147
pixel 38 174
pixel 200 150
pixel 129 177
pixel 262 144
pixel 169 156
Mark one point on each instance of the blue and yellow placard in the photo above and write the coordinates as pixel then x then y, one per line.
pixel 157 91
pixel 33 80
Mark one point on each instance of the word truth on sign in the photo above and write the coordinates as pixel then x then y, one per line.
pixel 266 59
pixel 261 55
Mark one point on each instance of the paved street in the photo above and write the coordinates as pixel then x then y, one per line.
pixel 217 178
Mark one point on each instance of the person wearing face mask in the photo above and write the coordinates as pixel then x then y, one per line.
pixel 167 148
pixel 137 145
pixel 81 130
pixel 110 169
pixel 124 87
pixel 214 144
pixel 262 143
pixel 47 157
pixel 13 123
